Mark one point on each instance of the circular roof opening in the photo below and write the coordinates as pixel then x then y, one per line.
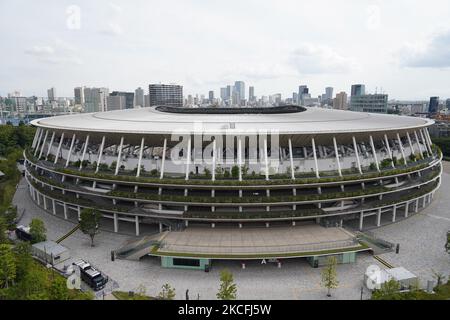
pixel 213 110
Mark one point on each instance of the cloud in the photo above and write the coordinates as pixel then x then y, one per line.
pixel 433 53
pixel 58 53
pixel 112 29
pixel 310 59
pixel 40 51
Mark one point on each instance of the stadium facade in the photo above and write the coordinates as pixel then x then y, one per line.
pixel 228 168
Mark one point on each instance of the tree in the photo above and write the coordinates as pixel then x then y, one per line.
pixel 58 289
pixel 388 291
pixel 235 172
pixel 24 260
pixel 329 276
pixel 89 223
pixel 37 231
pixel 3 229
pixel 440 278
pixel 7 266
pixel 227 290
pixel 167 292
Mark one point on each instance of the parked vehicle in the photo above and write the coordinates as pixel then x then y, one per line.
pixel 91 276
pixel 23 233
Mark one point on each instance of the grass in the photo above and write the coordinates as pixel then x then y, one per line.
pixel 122 295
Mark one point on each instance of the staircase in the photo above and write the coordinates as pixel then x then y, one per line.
pixel 137 249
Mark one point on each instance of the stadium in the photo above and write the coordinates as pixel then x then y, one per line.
pixel 228 183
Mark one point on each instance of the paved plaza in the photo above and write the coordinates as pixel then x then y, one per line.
pixel 421 238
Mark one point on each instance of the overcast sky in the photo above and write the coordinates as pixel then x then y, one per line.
pixel 401 46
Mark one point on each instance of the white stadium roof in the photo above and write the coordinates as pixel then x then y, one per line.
pixel 152 121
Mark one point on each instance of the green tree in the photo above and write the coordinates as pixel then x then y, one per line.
pixel 37 230
pixel 329 276
pixel 388 291
pixel 167 292
pixel 24 260
pixel 90 222
pixel 228 289
pixel 235 172
pixel 58 289
pixel 7 266
pixel 3 230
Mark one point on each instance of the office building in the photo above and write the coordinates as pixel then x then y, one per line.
pixel 51 94
pixel 79 95
pixel 139 97
pixel 358 90
pixel 373 103
pixel 116 102
pixel 166 95
pixel 434 105
pixel 129 98
pixel 340 101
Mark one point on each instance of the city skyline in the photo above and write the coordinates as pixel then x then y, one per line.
pixel 399 48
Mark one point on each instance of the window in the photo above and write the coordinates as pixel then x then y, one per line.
pixel 186 262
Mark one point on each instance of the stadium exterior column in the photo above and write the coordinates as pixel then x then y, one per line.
pixel 313 143
pixel 357 154
pixel 163 160
pixel 84 151
pixel 401 149
pixel 410 144
pixel 418 144
pixel 119 157
pixel 100 153
pixel 337 156
pixel 43 144
pixel 59 148
pixel 70 150
pixel 38 142
pixel 188 158
pixel 389 149
pixel 374 152
pixel 50 144
pixel 291 158
pixel 141 152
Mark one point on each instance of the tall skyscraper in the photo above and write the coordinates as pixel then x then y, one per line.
pixel 239 89
pixel 358 90
pixel 329 93
pixel 139 97
pixel 51 94
pixel 95 99
pixel 251 94
pixel 79 95
pixel 303 92
pixel 434 105
pixel 166 95
pixel 223 94
pixel 129 98
pixel 340 102
pixel 211 96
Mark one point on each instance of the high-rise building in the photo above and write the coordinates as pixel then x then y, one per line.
pixel 147 100
pixel 230 90
pixel 139 97
pixel 211 96
pixel 95 99
pixel 294 97
pixel 166 95
pixel 129 98
pixel 116 102
pixel 434 105
pixel 358 90
pixel 223 94
pixel 447 103
pixel 303 92
pixel 375 103
pixel 79 95
pixel 329 93
pixel 340 101
pixel 239 89
pixel 251 94
pixel 51 94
